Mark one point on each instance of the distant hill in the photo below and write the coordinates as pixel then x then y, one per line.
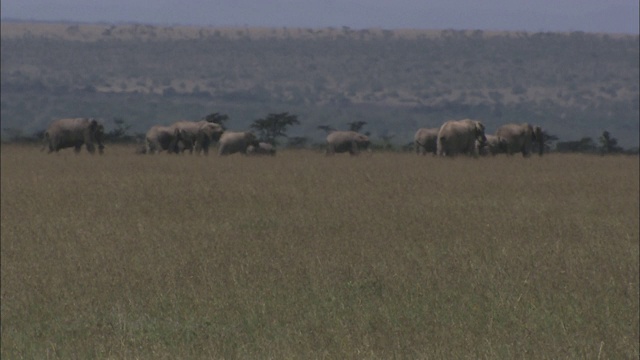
pixel 573 84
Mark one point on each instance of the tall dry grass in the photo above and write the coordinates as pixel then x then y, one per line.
pixel 307 256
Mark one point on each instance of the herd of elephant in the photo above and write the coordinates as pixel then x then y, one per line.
pixel 453 138
pixel 468 137
pixel 199 135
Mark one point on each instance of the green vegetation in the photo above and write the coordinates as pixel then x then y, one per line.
pixel 572 84
pixel 305 256
pixel 274 126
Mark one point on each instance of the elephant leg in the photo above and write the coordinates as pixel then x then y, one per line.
pixel 440 151
pixel 354 148
pixel 53 147
pixel 77 148
pixel 474 151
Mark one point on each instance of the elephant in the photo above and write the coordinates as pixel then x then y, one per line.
pixel 520 138
pixel 426 140
pixel 74 132
pixel 196 134
pixel 161 138
pixel 263 148
pixel 459 137
pixel 346 141
pixel 494 145
pixel 233 142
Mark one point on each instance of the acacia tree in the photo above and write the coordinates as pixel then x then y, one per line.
pixel 326 128
pixel 119 133
pixel 386 141
pixel 356 125
pixel 217 118
pixel 274 126
pixel 547 140
pixel 609 145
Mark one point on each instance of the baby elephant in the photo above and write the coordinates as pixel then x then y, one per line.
pixel 263 148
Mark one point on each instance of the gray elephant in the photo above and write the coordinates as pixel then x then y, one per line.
pixel 66 133
pixel 346 141
pixel 161 138
pixel 520 138
pixel 426 140
pixel 459 137
pixel 232 142
pixel 196 134
pixel 493 145
pixel 263 148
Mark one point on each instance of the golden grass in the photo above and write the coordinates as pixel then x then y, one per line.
pixel 307 256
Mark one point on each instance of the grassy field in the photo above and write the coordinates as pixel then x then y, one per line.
pixel 304 256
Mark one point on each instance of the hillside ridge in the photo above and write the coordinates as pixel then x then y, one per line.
pixel 573 84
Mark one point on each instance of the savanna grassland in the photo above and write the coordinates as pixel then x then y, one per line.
pixel 305 256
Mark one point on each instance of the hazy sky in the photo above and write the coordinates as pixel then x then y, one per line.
pixel 613 16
